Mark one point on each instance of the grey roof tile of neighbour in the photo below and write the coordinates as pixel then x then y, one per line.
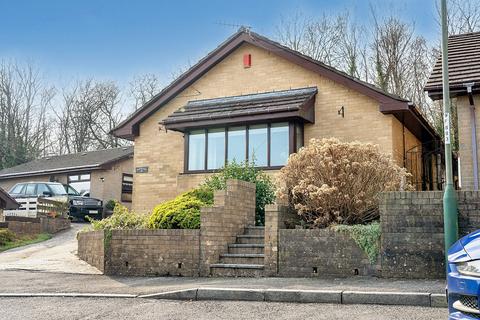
pixel 463 65
pixel 66 163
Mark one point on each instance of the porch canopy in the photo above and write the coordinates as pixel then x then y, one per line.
pixel 294 104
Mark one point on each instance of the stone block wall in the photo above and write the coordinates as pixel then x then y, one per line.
pixel 233 210
pixel 91 248
pixel 54 225
pixel 153 253
pixel 177 252
pixel 320 253
pixel 309 252
pixel 276 218
pixel 25 225
pixel 412 231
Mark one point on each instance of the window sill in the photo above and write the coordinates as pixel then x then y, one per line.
pixel 219 170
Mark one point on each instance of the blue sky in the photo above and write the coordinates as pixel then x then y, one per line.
pixel 116 39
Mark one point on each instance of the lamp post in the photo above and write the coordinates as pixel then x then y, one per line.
pixel 450 207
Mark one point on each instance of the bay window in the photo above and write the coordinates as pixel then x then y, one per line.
pixel 267 145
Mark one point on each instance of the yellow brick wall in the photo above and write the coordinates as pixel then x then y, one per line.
pixel 162 151
pixel 111 187
pixel 465 140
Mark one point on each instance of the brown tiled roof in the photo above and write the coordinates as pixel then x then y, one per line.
pixel 286 104
pixel 129 128
pixel 7 202
pixel 463 66
pixel 92 160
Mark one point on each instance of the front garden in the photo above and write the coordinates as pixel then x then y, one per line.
pixel 10 240
pixel 330 188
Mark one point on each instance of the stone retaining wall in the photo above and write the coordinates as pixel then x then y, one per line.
pixel 91 248
pixel 412 231
pixel 169 251
pixel 24 225
pixel 153 253
pixel 320 253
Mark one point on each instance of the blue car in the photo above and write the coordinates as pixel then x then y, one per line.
pixel 463 279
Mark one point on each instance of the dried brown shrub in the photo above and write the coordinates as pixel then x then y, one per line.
pixel 333 182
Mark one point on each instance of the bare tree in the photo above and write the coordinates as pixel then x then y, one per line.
pixel 89 111
pixel 463 16
pixel 143 88
pixel 291 31
pixel 24 100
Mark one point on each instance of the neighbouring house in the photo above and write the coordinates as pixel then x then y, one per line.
pixel 254 98
pixel 104 174
pixel 464 74
pixel 6 203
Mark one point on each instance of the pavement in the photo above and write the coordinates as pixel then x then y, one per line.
pixel 57 254
pixel 142 309
pixel 52 270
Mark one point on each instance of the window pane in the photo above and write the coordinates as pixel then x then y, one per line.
pixel 17 189
pixel 216 148
pixel 236 144
pixel 299 136
pixel 279 144
pixel 196 150
pixel 83 186
pixel 41 188
pixel 73 178
pixel 257 145
pixel 85 177
pixel 128 178
pixel 30 191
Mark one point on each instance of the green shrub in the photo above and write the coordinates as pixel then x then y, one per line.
pixel 367 236
pixel 6 236
pixel 183 212
pixel 246 171
pixel 122 218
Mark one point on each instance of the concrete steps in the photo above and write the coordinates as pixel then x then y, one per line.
pixel 250 239
pixel 236 270
pixel 245 258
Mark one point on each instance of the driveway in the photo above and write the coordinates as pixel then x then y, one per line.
pixel 55 255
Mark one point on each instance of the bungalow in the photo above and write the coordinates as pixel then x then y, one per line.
pixel 104 174
pixel 464 73
pixel 254 98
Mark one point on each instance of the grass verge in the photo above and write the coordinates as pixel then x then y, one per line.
pixel 25 240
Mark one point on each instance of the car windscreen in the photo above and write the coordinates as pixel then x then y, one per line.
pixel 71 191
pixel 17 189
pixel 57 189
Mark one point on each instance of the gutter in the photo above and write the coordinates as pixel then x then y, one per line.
pixel 473 122
pixel 42 172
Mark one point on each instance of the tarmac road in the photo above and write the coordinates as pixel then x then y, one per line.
pixel 84 308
